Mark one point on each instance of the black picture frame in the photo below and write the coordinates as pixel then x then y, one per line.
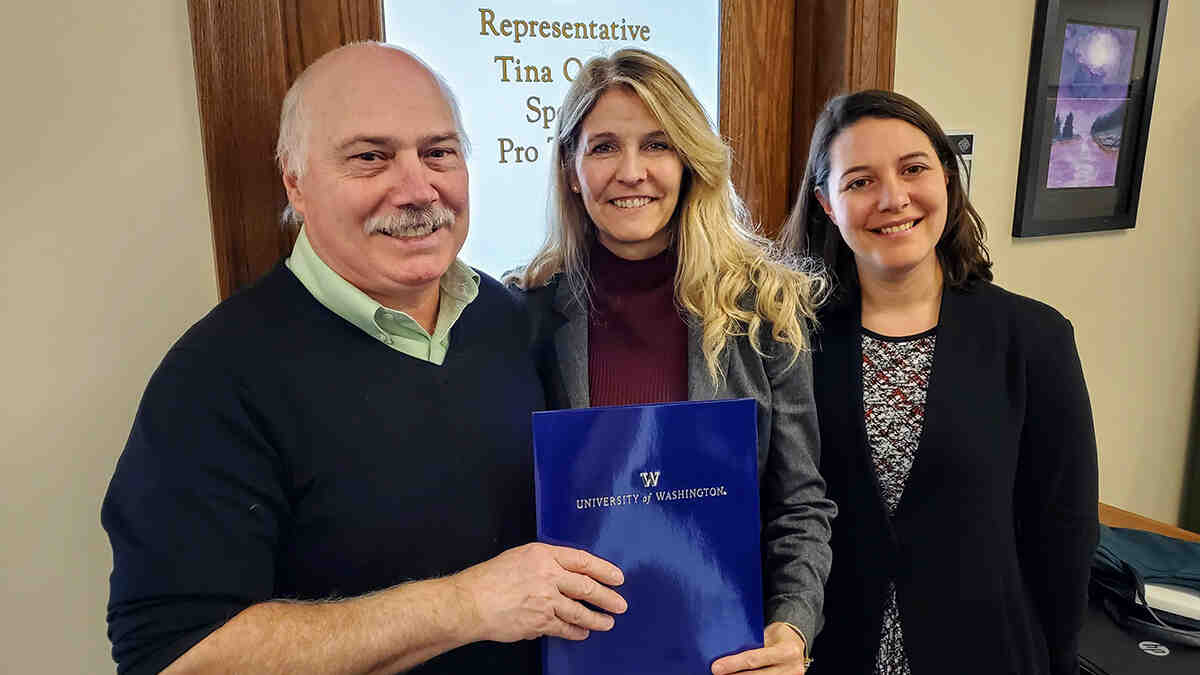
pixel 1066 208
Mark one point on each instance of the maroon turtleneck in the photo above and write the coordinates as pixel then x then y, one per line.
pixel 637 339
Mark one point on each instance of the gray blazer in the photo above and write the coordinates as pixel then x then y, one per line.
pixel 795 512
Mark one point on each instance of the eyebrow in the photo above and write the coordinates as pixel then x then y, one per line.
pixel 443 137
pixel 606 135
pixel 431 139
pixel 902 159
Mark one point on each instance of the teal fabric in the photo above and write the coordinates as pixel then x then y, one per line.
pixel 1156 558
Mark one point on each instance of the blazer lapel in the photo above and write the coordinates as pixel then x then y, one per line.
pixel 700 384
pixel 841 374
pixel 949 377
pixel 571 344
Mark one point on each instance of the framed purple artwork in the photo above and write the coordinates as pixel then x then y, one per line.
pixel 1087 114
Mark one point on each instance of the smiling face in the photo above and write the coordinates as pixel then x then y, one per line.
pixel 384 190
pixel 628 175
pixel 886 192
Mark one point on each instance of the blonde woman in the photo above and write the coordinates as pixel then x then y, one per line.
pixel 652 287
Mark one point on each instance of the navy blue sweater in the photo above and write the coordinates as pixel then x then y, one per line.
pixel 281 452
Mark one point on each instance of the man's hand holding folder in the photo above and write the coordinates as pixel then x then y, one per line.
pixel 538 589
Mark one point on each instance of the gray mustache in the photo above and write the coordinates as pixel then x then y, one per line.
pixel 404 220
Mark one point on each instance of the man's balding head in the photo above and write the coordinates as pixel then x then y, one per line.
pixel 291 147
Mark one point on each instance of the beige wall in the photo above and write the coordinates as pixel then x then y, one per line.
pixel 107 258
pixel 1134 296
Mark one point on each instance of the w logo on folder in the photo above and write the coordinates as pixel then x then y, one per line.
pixel 650 478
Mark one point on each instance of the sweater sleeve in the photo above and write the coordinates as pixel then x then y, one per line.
pixel 193 514
pixel 796 513
pixel 1056 493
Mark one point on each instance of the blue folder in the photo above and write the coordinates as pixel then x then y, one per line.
pixel 668 493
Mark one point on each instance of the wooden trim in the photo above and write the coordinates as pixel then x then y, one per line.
pixel 1114 517
pixel 771 95
pixel 247 54
pixel 841 46
pixel 822 54
pixel 872 44
pixel 756 102
pixel 313 27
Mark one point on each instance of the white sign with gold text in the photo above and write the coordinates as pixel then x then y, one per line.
pixel 510 64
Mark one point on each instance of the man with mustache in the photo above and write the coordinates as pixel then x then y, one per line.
pixel 331 472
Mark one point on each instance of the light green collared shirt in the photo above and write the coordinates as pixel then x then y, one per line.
pixel 398 330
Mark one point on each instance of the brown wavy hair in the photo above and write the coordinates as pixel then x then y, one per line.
pixel 808 231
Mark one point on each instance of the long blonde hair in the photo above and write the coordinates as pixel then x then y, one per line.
pixel 722 261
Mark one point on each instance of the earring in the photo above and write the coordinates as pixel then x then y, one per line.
pixel 574 188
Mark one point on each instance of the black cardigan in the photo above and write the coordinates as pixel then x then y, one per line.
pixel 282 452
pixel 990 544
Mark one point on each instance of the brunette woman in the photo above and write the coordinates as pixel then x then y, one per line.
pixel 955 424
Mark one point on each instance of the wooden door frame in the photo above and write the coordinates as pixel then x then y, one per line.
pixel 247 53
pixel 780 62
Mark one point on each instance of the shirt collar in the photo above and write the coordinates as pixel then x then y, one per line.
pixel 460 283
